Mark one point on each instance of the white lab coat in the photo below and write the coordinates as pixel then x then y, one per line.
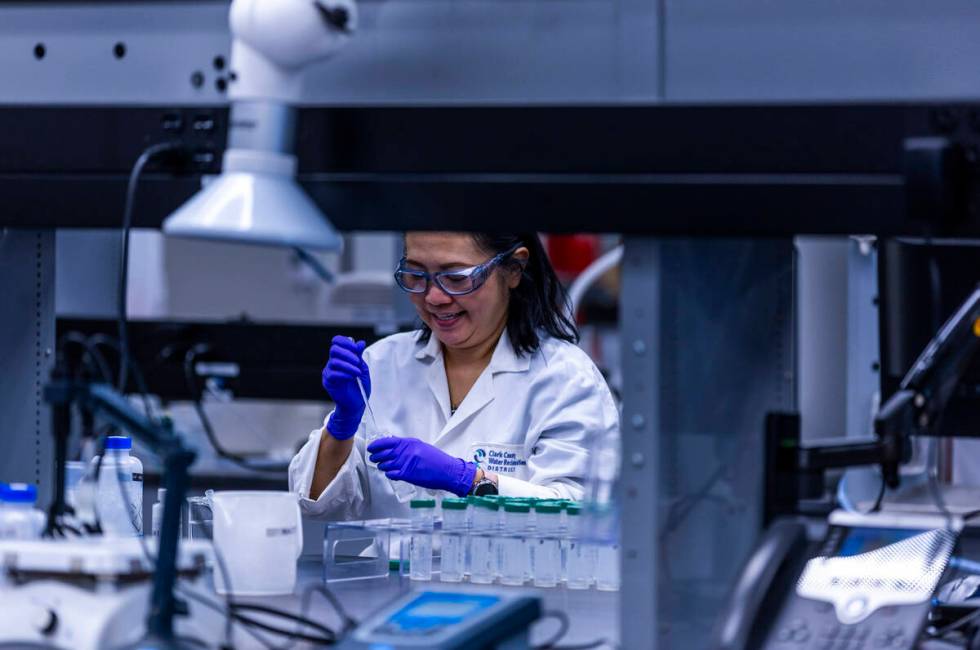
pixel 527 418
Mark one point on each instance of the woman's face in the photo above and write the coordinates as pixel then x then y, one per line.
pixel 466 321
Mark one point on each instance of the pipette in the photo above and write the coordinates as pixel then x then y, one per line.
pixel 403 491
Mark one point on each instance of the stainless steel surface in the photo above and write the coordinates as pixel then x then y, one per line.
pixel 26 351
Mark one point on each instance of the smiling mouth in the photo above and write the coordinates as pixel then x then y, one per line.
pixel 448 317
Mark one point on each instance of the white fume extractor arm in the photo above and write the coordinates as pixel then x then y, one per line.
pixel 256 198
pixel 274 40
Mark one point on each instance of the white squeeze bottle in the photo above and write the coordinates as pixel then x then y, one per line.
pixel 120 493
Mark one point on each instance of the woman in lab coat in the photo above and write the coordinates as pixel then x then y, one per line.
pixel 491 395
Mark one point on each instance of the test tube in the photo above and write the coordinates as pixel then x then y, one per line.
pixel 483 546
pixel 453 566
pixel 607 566
pixel 607 549
pixel 546 547
pixel 420 539
pixel 579 556
pixel 514 561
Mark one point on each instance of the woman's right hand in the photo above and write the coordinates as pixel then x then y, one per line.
pixel 344 366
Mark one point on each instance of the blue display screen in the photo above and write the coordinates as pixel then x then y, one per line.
pixel 431 611
pixel 865 540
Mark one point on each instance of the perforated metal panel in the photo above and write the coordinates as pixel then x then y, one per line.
pixel 707 351
pixel 26 352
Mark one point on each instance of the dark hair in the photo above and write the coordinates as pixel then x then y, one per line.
pixel 538 303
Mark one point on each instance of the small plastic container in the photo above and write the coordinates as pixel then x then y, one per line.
pixel 356 550
pixel 120 493
pixel 454 536
pixel 420 545
pixel 579 555
pixel 607 567
pixel 484 562
pixel 19 519
pixel 514 552
pixel 546 545
pixel 604 529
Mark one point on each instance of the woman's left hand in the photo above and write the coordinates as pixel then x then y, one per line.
pixel 422 464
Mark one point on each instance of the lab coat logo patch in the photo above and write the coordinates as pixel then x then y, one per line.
pixel 502 459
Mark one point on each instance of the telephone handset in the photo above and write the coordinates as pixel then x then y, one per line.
pixel 868 584
pixel 782 549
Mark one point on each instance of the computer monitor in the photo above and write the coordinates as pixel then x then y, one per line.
pixel 921 284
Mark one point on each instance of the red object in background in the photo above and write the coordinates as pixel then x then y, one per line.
pixel 572 254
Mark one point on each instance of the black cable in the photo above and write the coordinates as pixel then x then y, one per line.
pixel 232 609
pixel 319 269
pixel 589 645
pixel 881 495
pixel 196 399
pixel 215 606
pixel 675 516
pixel 563 626
pixel 347 622
pixel 134 367
pixel 957 624
pixel 94 357
pixel 329 636
pixel 144 158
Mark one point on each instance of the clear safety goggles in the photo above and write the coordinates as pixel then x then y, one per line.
pixel 455 282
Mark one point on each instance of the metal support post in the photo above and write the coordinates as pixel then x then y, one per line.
pixel 639 491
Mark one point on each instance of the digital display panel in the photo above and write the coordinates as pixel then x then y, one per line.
pixel 865 540
pixel 431 611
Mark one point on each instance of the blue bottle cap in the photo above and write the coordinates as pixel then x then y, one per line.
pixel 118 442
pixel 18 492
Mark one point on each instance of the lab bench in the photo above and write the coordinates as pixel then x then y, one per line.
pixel 591 614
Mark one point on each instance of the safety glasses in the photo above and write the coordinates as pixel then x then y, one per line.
pixel 455 282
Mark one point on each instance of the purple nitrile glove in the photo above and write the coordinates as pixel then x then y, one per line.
pixel 340 375
pixel 417 462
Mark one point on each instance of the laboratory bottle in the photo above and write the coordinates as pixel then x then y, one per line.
pixel 453 564
pixel 120 493
pixel 546 545
pixel 420 539
pixel 156 513
pixel 514 560
pixel 484 564
pixel 579 555
pixel 19 519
